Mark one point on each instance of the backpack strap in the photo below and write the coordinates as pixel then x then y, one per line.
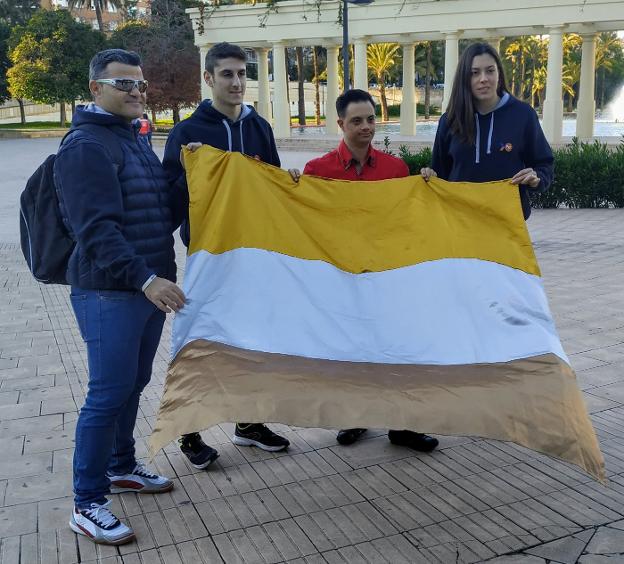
pixel 108 138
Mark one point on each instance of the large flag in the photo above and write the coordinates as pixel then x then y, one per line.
pixel 397 304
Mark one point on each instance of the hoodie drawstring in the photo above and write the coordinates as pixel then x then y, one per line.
pixel 489 145
pixel 241 137
pixel 229 132
pixel 478 138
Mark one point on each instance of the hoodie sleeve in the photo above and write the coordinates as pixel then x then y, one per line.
pixel 176 176
pixel 537 153
pixel 441 160
pixel 275 160
pixel 93 203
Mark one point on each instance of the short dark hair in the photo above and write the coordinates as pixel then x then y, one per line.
pixel 223 50
pixel 102 59
pixel 354 95
pixel 461 109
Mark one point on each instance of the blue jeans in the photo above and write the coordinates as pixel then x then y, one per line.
pixel 122 331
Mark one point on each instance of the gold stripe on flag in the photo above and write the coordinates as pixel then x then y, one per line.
pixel 408 221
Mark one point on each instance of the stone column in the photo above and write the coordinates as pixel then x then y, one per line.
pixel 333 91
pixel 408 103
pixel 586 107
pixel 264 97
pixel 451 57
pixel 281 111
pixel 496 42
pixel 206 91
pixel 360 78
pixel 553 104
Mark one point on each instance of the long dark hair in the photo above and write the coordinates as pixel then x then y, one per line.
pixel 461 108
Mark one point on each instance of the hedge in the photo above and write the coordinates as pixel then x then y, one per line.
pixel 587 175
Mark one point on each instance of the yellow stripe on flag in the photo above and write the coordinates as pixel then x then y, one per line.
pixel 238 202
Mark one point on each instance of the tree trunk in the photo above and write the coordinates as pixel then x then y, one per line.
pixel 98 14
pixel 300 88
pixel 176 114
pixel 153 116
pixel 428 82
pixel 287 84
pixel 522 74
pixel 532 84
pixel 384 100
pixel 317 89
pixel 63 114
pixel 22 111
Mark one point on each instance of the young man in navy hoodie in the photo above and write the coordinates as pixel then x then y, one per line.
pixel 226 123
pixel 117 203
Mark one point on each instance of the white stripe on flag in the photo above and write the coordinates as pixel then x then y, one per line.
pixel 450 311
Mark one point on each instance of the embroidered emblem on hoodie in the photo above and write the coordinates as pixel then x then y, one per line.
pixel 506 147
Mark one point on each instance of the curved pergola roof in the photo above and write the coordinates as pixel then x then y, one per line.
pixel 400 21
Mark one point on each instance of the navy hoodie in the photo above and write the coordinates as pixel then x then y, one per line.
pixel 507 139
pixel 250 134
pixel 123 218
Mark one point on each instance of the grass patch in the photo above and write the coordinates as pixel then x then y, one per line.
pixel 33 125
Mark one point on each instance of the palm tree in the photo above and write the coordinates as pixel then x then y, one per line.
pixel 100 6
pixel 570 76
pixel 381 62
pixel 317 94
pixel 538 85
pixel 300 86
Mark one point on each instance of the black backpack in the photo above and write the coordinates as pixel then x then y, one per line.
pixel 45 240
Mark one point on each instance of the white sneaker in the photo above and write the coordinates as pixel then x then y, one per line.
pixel 100 525
pixel 140 481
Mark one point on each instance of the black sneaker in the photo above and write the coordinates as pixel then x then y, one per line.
pixel 257 434
pixel 200 455
pixel 410 439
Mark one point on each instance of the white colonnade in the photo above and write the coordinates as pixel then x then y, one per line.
pixel 407 24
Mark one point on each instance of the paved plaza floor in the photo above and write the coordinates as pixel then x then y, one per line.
pixel 471 500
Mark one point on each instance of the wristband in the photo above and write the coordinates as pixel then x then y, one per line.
pixel 148 282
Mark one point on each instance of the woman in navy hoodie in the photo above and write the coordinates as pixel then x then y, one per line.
pixel 486 134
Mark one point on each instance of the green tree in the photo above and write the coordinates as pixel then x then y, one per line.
pixel 99 5
pixel 47 65
pixel 17 12
pixel 382 61
pixel 5 63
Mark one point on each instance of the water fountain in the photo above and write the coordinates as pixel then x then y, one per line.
pixel 615 109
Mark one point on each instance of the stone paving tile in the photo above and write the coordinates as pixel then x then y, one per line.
pixel 239 511
pixel 538 520
pixel 566 550
pixel 316 494
pixel 607 541
pixel 344 526
pixel 18 519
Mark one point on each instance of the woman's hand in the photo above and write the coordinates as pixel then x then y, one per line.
pixel 526 176
pixel 295 174
pixel 428 173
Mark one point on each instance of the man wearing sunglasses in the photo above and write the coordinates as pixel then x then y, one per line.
pixel 116 202
pixel 226 123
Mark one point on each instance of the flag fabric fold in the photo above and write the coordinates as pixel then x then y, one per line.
pixel 396 304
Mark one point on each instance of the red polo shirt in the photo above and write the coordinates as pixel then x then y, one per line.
pixel 339 164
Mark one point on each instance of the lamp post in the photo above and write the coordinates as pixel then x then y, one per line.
pixel 345 37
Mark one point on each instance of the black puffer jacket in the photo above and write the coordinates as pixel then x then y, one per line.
pixel 121 218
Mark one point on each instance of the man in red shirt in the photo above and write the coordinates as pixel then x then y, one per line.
pixel 356 159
